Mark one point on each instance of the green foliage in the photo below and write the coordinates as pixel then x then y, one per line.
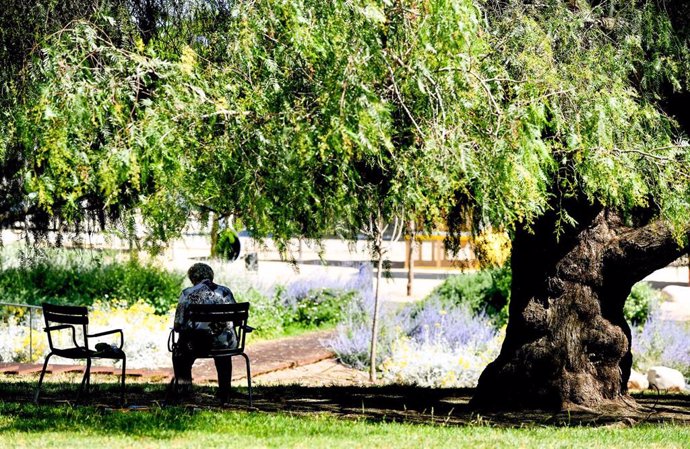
pixel 78 281
pixel 304 117
pixel 643 299
pixel 228 245
pixel 584 127
pixel 135 281
pixel 485 291
pixel 267 314
pixel 322 306
pixel 76 278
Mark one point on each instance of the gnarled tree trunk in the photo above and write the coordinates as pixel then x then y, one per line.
pixel 567 341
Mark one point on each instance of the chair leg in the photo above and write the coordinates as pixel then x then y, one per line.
pixel 40 379
pixel 122 392
pixel 171 392
pixel 230 376
pixel 226 398
pixel 249 379
pixel 85 379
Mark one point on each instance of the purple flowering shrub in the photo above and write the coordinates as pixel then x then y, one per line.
pixel 446 345
pixel 432 343
pixel 662 342
pixel 353 335
pixel 305 303
pixel 351 343
pixel 453 325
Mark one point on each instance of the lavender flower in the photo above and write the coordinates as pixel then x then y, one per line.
pixel 662 342
pixel 432 344
pixel 454 326
pixel 351 344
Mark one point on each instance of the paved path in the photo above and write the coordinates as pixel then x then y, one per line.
pixel 266 357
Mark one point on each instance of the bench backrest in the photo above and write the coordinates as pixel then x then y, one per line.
pixel 218 313
pixel 237 314
pixel 66 315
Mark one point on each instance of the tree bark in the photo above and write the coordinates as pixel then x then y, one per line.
pixel 412 232
pixel 378 253
pixel 567 341
pixel 215 229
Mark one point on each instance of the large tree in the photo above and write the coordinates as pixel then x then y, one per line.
pixel 555 121
pixel 616 196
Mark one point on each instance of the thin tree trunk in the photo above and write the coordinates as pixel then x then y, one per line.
pixel 215 229
pixel 410 258
pixel 374 326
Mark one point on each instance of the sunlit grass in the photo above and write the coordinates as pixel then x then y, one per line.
pixel 299 417
pixel 61 426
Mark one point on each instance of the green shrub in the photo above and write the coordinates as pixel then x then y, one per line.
pixel 322 306
pixel 79 278
pixel 294 308
pixel 641 301
pixel 486 291
pixel 228 245
pixel 81 281
pixel 267 315
pixel 279 314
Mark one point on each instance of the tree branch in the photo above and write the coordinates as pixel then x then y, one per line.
pixel 638 252
pixel 400 98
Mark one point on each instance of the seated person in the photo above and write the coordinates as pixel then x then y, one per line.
pixel 198 338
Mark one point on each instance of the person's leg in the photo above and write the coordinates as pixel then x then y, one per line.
pixel 224 370
pixel 182 367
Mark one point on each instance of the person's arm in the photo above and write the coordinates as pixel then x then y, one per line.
pixel 228 297
pixel 180 312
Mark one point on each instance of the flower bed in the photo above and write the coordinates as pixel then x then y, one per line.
pixel 662 342
pixel 429 344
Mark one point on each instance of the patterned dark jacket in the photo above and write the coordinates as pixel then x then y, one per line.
pixel 206 292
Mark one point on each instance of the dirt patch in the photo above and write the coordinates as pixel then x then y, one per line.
pixel 333 388
pixel 321 374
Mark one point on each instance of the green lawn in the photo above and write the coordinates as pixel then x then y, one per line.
pixel 60 426
pixel 293 416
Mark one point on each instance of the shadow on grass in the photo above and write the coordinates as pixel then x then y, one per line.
pixel 146 411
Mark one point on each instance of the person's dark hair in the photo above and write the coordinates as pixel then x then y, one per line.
pixel 199 272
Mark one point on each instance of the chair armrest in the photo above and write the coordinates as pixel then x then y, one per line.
pixel 100 334
pixel 59 327
pixel 172 342
pixel 109 332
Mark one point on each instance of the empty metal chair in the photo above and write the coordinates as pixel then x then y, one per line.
pixel 62 318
